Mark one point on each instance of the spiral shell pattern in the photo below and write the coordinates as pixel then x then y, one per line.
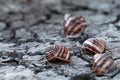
pixel 58 53
pixel 73 26
pixel 102 63
pixel 93 46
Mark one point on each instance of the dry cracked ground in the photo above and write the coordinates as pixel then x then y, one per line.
pixel 28 27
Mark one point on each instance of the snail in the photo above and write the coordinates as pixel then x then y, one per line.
pixel 93 46
pixel 58 53
pixel 102 63
pixel 74 26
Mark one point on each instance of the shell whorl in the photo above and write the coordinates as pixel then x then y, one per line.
pixel 93 46
pixel 102 63
pixel 66 16
pixel 74 26
pixel 57 53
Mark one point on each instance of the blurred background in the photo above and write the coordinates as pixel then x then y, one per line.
pixel 25 14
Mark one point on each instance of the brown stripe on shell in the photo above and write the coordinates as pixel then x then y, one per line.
pixel 102 56
pixel 96 42
pixel 57 53
pixel 103 45
pixel 78 29
pixel 71 21
pixel 75 27
pixel 61 52
pixel 67 54
pixel 69 28
pixel 89 48
pixel 99 43
pixel 63 55
pixel 100 67
pixel 72 28
pixel 94 45
pixel 101 62
pixel 51 51
pixel 54 49
pixel 87 51
pixel 67 17
pixel 111 60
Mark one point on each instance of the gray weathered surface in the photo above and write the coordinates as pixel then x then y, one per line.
pixel 28 27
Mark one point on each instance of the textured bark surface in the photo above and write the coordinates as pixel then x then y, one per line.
pixel 28 27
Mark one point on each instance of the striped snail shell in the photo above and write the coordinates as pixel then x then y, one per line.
pixel 73 26
pixel 102 63
pixel 93 46
pixel 58 53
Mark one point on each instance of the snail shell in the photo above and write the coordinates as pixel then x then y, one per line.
pixel 73 26
pixel 93 46
pixel 102 63
pixel 58 53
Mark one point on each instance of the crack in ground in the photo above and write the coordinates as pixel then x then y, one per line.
pixel 113 22
pixel 86 8
pixel 116 73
